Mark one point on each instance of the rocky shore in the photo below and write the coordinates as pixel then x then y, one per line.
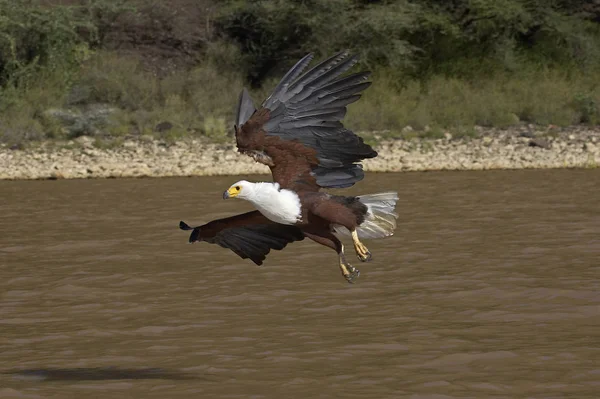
pixel 577 147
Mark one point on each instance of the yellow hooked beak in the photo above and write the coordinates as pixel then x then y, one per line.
pixel 232 192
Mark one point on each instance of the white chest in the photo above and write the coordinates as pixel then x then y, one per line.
pixel 281 206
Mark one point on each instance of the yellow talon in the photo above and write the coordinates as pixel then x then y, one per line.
pixel 362 252
pixel 344 269
pixel 349 272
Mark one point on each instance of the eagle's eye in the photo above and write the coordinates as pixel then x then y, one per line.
pixel 237 188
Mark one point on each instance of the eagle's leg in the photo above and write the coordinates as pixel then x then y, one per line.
pixel 349 272
pixel 326 237
pixel 362 251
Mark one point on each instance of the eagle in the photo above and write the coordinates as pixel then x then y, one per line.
pixel 297 132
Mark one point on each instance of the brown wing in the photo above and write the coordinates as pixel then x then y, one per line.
pixel 298 131
pixel 249 235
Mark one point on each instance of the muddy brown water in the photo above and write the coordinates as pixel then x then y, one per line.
pixel 490 287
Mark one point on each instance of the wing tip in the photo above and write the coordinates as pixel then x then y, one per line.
pixel 245 108
pixel 258 262
pixel 184 226
pixel 195 231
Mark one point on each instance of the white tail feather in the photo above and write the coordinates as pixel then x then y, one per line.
pixel 380 220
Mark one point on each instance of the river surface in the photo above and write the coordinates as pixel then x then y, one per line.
pixel 490 288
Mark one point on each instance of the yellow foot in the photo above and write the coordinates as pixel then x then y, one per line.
pixel 362 252
pixel 349 272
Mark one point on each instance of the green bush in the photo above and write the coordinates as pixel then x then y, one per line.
pixel 114 79
pixel 175 70
pixel 461 38
pixel 184 99
pixel 34 37
pixel 268 31
pixel 537 96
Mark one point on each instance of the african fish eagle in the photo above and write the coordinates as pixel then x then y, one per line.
pixel 298 133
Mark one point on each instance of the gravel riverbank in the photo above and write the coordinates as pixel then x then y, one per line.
pixel 491 149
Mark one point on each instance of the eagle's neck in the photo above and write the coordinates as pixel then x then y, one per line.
pixel 276 204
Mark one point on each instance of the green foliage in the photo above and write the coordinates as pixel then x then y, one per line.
pixel 179 67
pixel 379 34
pixel 198 101
pixel 266 31
pixel 588 106
pixel 269 31
pixel 113 79
pixel 32 37
pixel 460 38
pixel 41 51
pixel 22 108
pixel 530 96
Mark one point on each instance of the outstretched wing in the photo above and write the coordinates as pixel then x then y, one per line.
pixel 249 235
pixel 298 131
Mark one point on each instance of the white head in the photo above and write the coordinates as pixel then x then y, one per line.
pixel 281 206
pixel 242 189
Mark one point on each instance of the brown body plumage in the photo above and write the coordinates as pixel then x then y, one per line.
pixel 298 133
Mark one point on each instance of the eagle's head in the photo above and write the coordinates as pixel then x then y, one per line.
pixel 242 189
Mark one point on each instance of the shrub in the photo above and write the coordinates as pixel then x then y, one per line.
pixel 176 69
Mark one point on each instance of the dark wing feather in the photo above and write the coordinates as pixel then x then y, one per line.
pixel 255 242
pixel 249 235
pixel 320 69
pixel 299 127
pixel 245 108
pixel 287 79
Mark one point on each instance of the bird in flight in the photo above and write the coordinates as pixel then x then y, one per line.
pixel 298 133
